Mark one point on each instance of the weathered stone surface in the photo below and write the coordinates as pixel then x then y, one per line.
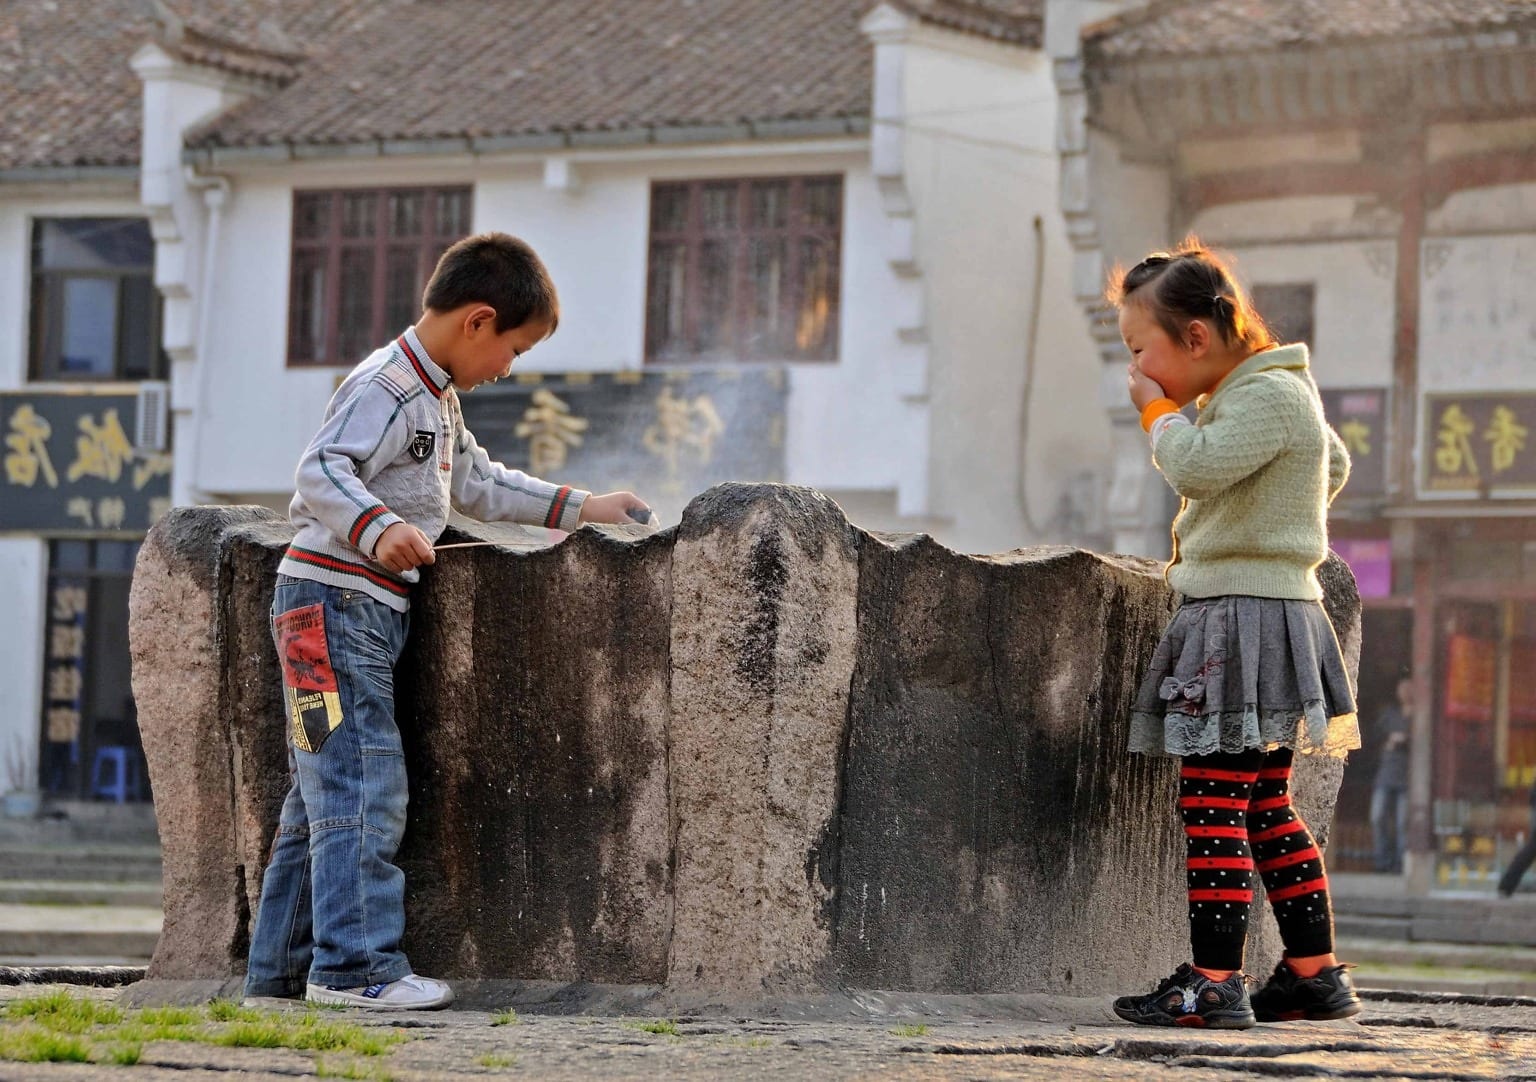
pixel 763 753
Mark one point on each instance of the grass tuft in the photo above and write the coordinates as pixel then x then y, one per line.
pixel 31 1045
pixel 918 1030
pixel 507 1017
pixel 492 1059
pixel 662 1027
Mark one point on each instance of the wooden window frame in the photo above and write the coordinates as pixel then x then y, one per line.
pixel 693 237
pixel 328 247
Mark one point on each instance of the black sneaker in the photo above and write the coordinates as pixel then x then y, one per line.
pixel 1288 998
pixel 1189 998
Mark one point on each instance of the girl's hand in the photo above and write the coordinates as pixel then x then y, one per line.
pixel 1143 388
pixel 614 507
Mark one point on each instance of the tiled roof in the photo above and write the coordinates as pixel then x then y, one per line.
pixel 1173 28
pixel 1019 22
pixel 487 68
pixel 263 39
pixel 67 95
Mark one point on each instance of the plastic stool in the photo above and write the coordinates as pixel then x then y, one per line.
pixel 115 774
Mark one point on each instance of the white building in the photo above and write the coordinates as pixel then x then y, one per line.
pixel 852 206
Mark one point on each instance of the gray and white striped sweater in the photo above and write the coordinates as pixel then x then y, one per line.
pixel 392 448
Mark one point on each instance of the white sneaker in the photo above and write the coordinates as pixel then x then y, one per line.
pixel 409 993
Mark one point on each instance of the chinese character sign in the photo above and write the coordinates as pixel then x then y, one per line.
pixel 70 465
pixel 1359 416
pixel 1479 443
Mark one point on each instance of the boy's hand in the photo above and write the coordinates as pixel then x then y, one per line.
pixel 615 507
pixel 403 547
pixel 1142 387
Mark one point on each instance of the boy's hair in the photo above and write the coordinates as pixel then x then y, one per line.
pixel 499 270
pixel 1191 282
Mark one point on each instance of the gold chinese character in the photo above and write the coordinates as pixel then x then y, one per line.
pixel 1356 435
pixel 1507 435
pixel 550 429
pixel 110 512
pixel 63 724
pixel 102 450
pixel 66 642
pixel 28 441
pixel 64 683
pixel 68 602
pixel 79 507
pixel 150 467
pixel 683 424
pixel 1454 454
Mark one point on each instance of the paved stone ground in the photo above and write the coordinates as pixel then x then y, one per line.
pixel 873 1037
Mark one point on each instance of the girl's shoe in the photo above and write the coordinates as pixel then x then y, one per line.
pixel 1288 998
pixel 1189 998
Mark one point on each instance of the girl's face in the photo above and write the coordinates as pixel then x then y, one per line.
pixel 1170 364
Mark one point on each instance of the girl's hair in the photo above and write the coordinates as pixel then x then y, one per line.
pixel 1191 282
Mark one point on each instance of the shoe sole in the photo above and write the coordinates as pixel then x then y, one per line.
pixel 1313 1015
pixel 330 998
pixel 1192 1021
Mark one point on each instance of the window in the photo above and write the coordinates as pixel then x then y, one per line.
pixel 744 270
pixel 95 309
pixel 1288 309
pixel 361 258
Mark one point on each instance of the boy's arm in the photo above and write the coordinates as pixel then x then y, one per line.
pixel 1251 427
pixel 487 490
pixel 1338 464
pixel 360 438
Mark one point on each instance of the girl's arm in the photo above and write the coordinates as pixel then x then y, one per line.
pixel 1250 426
pixel 1338 463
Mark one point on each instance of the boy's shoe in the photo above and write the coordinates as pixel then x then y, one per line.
pixel 409 993
pixel 1189 998
pixel 1286 997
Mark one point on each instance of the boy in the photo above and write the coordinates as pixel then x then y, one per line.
pixel 374 489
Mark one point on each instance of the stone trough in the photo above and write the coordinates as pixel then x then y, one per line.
pixel 761 753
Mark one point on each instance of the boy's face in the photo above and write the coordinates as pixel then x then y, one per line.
pixel 486 355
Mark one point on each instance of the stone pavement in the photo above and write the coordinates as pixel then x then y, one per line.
pixel 871 1036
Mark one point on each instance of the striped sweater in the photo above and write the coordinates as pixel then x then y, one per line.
pixel 393 448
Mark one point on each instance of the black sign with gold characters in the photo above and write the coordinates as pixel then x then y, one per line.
pixel 70 465
pixel 667 435
pixel 1359 416
pixel 1480 443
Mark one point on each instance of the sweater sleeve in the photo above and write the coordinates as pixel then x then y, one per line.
pixel 1248 428
pixel 362 436
pixel 1338 464
pixel 487 490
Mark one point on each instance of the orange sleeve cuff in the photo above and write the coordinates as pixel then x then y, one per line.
pixel 1158 407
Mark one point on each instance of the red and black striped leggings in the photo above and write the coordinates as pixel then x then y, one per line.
pixel 1237 812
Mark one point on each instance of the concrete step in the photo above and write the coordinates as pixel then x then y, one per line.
pixel 1365 951
pixel 99 863
pixel 85 934
pixel 1358 927
pixel 65 892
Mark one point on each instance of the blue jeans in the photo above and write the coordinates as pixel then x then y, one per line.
pixel 332 908
pixel 1389 826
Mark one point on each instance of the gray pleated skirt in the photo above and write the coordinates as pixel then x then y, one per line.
pixel 1233 673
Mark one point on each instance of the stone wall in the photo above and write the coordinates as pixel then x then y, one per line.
pixel 761 752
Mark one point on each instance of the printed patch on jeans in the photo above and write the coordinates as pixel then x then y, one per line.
pixel 421 446
pixel 309 683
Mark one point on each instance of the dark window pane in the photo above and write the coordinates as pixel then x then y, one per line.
pixel 1288 309
pixel 770 204
pixel 404 214
pixel 89 333
pixel 71 556
pixel 139 348
pixel 402 289
pixel 824 203
pixel 669 208
pixel 816 321
pixel 452 217
pixel 355 323
pixel 359 214
pixel 312 215
pixel 718 206
pixel 306 307
pixel 665 298
pixel 717 297
pixel 116 555
pixel 766 270
pixel 92 244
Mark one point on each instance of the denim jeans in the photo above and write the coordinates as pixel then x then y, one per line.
pixel 332 907
pixel 1389 826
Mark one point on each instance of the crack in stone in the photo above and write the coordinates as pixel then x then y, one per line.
pixel 1314 1070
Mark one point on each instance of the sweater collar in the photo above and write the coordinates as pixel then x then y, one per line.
pixel 432 375
pixel 1292 357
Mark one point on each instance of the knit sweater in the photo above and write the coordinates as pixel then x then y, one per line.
pixel 1257 471
pixel 393 448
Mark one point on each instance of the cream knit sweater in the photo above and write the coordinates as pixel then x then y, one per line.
pixel 1257 471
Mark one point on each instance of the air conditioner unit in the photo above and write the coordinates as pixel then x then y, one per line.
pixel 151 430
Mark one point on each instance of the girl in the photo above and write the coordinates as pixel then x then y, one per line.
pixel 1248 670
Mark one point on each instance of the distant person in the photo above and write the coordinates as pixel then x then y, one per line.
pixel 1522 858
pixel 1389 791
pixel 1249 669
pixel 374 490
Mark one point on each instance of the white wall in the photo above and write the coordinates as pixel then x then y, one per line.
pixel 1477 328
pixel 23 584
